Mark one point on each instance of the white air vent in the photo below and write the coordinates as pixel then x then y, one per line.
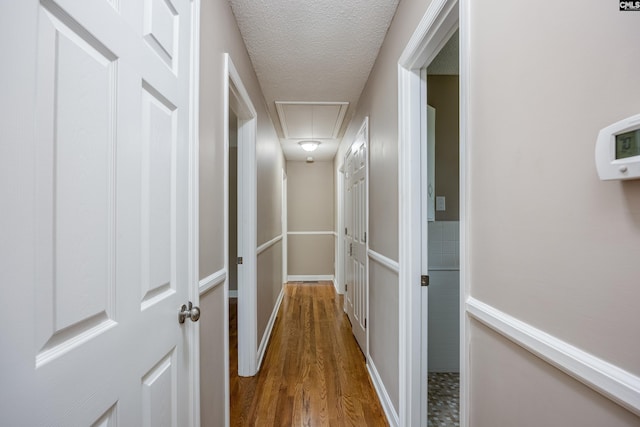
pixel 311 120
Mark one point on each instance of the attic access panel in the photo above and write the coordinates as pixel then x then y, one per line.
pixel 307 120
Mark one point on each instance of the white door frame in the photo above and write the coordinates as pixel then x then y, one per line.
pixel 285 240
pixel 193 211
pixel 340 275
pixel 440 21
pixel 237 98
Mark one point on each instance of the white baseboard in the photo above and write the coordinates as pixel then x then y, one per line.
pixel 385 400
pixel 233 293
pixel 267 332
pixel 611 381
pixel 311 278
pixel 337 288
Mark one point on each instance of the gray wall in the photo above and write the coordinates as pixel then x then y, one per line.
pixel 551 244
pixel 219 34
pixel 310 208
pixel 444 296
pixel 379 102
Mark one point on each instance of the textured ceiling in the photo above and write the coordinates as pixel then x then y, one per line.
pixel 313 51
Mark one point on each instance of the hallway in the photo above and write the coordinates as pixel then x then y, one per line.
pixel 313 372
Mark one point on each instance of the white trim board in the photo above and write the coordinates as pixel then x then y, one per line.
pixel 263 247
pixel 383 260
pixel 212 281
pixel 267 332
pixel 607 379
pixel 194 200
pixel 464 9
pixel 383 396
pixel 311 278
pixel 285 225
pixel 339 242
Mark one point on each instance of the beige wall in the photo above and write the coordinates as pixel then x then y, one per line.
pixel 310 208
pixel 379 101
pixel 212 375
pixel 443 94
pixel 550 244
pixel 310 196
pixel 512 387
pixel 311 255
pixel 269 284
pixel 270 164
pixel 219 35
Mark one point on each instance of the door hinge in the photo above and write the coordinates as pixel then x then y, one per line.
pixel 365 323
pixel 239 260
pixel 365 237
pixel 424 280
pixel 346 287
pixel 350 249
pixel 345 231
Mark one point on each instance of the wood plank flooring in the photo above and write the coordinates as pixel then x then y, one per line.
pixel 313 373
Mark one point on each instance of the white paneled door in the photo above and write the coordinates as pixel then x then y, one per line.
pixel 101 250
pixel 356 298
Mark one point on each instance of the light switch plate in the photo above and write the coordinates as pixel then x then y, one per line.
pixel 440 203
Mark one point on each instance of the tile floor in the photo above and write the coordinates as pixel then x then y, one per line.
pixel 444 397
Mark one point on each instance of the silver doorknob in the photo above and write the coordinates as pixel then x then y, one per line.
pixel 190 311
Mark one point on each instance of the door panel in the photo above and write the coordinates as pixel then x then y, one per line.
pixel 108 174
pixel 356 300
pixel 158 198
pixel 159 393
pixel 160 22
pixel 348 237
pixel 76 122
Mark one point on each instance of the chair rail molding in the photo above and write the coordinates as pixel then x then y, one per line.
pixel 212 281
pixel 383 260
pixel 263 247
pixel 607 379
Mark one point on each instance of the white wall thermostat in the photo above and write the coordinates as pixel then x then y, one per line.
pixel 618 150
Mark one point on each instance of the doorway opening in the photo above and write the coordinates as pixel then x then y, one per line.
pixel 441 163
pixel 241 266
pixel 232 184
pixel 439 24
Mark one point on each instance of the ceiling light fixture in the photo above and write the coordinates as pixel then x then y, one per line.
pixel 309 145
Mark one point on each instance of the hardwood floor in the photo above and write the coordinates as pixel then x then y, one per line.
pixel 313 373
